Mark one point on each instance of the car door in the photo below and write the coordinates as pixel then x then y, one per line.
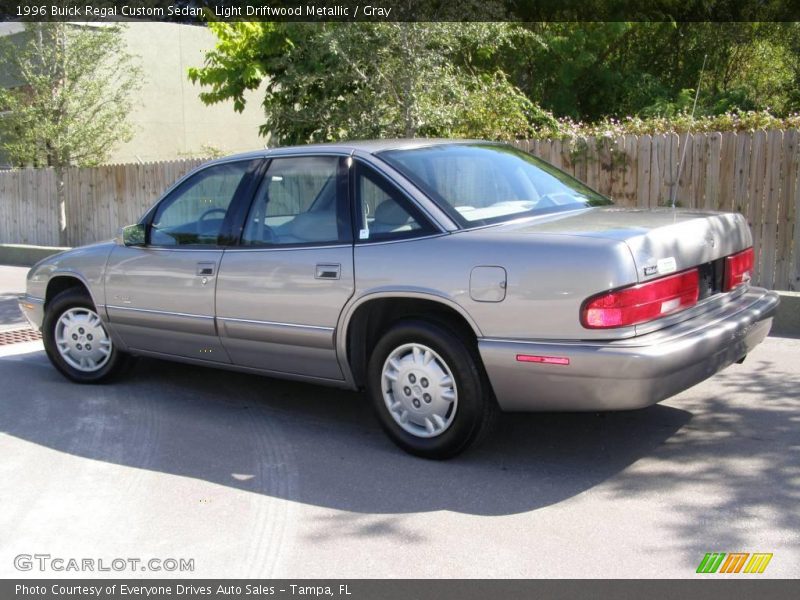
pixel 160 296
pixel 280 292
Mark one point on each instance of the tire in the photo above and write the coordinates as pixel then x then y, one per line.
pixel 80 355
pixel 407 382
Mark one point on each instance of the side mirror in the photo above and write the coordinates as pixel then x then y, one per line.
pixel 134 235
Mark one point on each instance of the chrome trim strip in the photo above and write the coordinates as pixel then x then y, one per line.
pixel 32 299
pixel 285 248
pixel 359 243
pixel 158 312
pixel 209 248
pixel 521 220
pixel 429 236
pixel 255 322
pixel 303 152
pixel 546 342
pixel 230 319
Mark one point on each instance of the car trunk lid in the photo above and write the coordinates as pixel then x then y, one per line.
pixel 661 241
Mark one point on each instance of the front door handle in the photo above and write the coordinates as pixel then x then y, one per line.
pixel 328 271
pixel 205 269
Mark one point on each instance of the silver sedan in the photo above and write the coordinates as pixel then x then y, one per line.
pixel 448 279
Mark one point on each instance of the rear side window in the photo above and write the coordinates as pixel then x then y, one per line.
pixel 384 213
pixel 301 201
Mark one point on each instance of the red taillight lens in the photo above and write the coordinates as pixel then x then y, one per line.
pixel 738 269
pixel 643 302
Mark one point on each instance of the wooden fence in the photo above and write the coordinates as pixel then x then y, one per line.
pixel 99 200
pixel 756 174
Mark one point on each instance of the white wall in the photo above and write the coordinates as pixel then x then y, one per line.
pixel 169 119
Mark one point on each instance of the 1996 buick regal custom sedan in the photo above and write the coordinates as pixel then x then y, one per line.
pixel 446 278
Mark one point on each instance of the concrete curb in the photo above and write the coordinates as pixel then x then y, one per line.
pixel 787 320
pixel 22 255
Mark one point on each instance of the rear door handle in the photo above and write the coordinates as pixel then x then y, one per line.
pixel 205 269
pixel 328 271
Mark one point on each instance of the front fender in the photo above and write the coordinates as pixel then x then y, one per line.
pixel 86 264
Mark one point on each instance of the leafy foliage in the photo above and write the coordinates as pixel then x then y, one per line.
pixel 588 71
pixel 330 81
pixel 72 98
pixel 679 123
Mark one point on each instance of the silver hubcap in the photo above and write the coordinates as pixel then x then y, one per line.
pixel 419 390
pixel 82 340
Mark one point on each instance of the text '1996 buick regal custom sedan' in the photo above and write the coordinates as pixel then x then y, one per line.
pixel 447 278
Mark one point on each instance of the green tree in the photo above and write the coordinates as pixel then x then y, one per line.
pixel 331 81
pixel 588 71
pixel 68 98
pixel 328 81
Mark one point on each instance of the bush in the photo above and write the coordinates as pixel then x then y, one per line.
pixel 680 123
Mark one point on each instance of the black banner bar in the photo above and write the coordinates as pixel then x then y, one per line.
pixel 734 588
pixel 202 11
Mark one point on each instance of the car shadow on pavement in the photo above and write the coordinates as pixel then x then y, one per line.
pixel 738 462
pixel 316 445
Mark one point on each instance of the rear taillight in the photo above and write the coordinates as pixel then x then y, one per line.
pixel 738 269
pixel 643 302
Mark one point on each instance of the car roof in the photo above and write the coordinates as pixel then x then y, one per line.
pixel 370 146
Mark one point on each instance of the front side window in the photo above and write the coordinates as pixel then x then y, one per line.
pixel 480 184
pixel 384 213
pixel 193 214
pixel 301 201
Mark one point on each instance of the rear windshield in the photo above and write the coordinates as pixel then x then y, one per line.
pixel 481 184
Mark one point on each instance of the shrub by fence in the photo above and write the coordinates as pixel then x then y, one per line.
pixel 756 174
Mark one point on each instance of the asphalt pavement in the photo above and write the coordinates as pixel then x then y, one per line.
pixel 256 477
pixel 12 283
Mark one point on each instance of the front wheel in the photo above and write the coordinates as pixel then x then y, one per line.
pixel 77 342
pixel 427 387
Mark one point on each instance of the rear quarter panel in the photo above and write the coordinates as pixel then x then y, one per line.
pixel 548 278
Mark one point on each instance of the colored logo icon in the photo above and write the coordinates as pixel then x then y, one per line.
pixel 734 562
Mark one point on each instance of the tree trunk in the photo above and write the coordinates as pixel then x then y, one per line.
pixel 409 120
pixel 61 193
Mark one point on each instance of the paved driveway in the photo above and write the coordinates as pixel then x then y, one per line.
pixel 12 283
pixel 257 477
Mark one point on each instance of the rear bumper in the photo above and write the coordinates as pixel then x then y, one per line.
pixel 633 373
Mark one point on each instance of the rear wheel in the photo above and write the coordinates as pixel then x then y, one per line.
pixel 78 343
pixel 428 389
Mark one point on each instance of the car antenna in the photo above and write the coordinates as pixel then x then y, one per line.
pixel 688 133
